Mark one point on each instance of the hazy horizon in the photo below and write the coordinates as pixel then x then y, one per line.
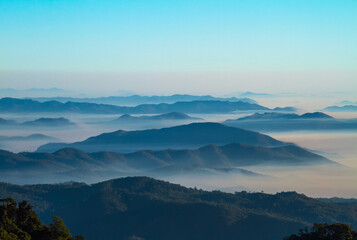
pixel 201 47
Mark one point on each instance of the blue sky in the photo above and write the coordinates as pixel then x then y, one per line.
pixel 133 45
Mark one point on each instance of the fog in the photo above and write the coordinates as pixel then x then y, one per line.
pixel 316 181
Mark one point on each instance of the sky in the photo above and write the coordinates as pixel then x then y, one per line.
pixel 184 46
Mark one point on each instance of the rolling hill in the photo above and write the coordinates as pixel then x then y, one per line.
pixel 145 208
pixel 40 122
pixel 287 116
pixel 345 108
pixel 188 136
pixel 138 99
pixel 210 156
pixel 13 105
pixel 5 122
pixel 69 163
pixel 172 116
pixel 49 122
pixel 32 137
pixel 272 121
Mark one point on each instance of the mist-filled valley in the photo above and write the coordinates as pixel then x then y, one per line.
pixel 238 164
pixel 330 136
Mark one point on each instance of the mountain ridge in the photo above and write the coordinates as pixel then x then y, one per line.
pixel 158 210
pixel 275 115
pixel 180 137
pixel 217 159
pixel 275 122
pixel 345 108
pixel 39 122
pixel 14 105
pixel 138 99
pixel 165 116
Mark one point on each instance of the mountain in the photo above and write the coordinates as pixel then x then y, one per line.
pixel 274 115
pixel 14 105
pixel 272 121
pixel 210 156
pixel 345 108
pixel 27 138
pixel 188 136
pixel 196 107
pixel 41 122
pixel 256 95
pixel 141 122
pixel 137 99
pixel 4 122
pixel 162 117
pixel 285 109
pixel 145 208
pixel 49 122
pixel 315 115
pixel 69 164
pixel 268 116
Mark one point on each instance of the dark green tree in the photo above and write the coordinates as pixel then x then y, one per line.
pixel 319 231
pixel 20 222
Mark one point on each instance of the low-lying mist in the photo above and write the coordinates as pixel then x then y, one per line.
pixel 317 181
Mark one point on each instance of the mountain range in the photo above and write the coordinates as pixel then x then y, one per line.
pixel 148 209
pixel 40 122
pixel 255 95
pixel 273 121
pixel 345 108
pixel 275 115
pixel 172 116
pixel 285 109
pixel 188 136
pixel 32 137
pixel 208 157
pixel 137 99
pixel 14 105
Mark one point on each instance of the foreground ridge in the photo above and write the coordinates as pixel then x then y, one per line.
pixel 154 209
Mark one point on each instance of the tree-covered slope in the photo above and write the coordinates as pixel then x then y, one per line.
pixel 152 209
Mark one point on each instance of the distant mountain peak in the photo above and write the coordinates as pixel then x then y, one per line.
pixel 71 153
pixel 345 108
pixel 315 115
pixel 126 116
pixel 68 150
pixel 194 106
pixel 188 136
pixel 275 115
pixel 165 116
pixel 175 115
pixel 61 121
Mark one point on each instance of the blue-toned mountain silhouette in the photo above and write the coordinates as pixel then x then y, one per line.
pixel 134 100
pixel 188 136
pixel 172 116
pixel 345 108
pixel 273 121
pixel 40 122
pixel 13 105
